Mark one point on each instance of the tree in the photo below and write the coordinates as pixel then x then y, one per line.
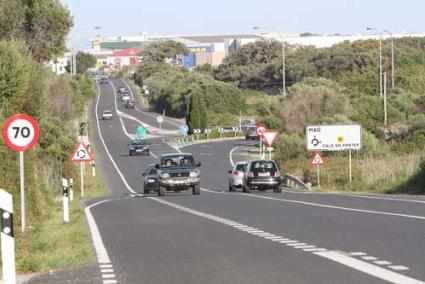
pixel 42 24
pixel 193 118
pixel 161 50
pixel 84 61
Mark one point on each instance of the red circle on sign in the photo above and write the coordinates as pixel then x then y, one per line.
pixel 260 129
pixel 26 143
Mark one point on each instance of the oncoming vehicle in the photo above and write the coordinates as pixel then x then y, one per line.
pixel 104 80
pixel 125 97
pixel 178 171
pixel 262 175
pixel 121 90
pixel 107 114
pixel 251 134
pixel 236 175
pixel 150 179
pixel 138 146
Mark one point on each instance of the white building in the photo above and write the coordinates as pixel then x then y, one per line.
pixel 59 65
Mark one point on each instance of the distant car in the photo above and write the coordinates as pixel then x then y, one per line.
pixel 236 175
pixel 251 134
pixel 107 114
pixel 138 146
pixel 125 97
pixel 121 90
pixel 262 175
pixel 150 179
pixel 178 171
pixel 130 104
pixel 104 80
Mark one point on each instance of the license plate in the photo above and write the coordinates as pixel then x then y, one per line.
pixel 264 174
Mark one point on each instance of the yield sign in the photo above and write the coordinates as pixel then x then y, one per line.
pixel 81 154
pixel 269 137
pixel 317 159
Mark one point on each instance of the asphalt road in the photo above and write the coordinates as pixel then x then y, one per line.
pixel 262 237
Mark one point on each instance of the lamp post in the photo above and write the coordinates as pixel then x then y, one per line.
pixel 392 58
pixel 380 59
pixel 283 56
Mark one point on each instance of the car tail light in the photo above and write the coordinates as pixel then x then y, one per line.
pixel 251 174
pixel 235 173
pixel 277 174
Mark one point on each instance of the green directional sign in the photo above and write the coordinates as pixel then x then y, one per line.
pixel 140 132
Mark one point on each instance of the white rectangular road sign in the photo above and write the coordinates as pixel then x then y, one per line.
pixel 334 137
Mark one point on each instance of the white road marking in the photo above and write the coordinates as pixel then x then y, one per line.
pixel 314 249
pixel 323 205
pixel 382 262
pixel 230 155
pixel 108 275
pixel 368 268
pixel 296 244
pixel 304 247
pixel 358 253
pixel 105 265
pixel 110 281
pixel 399 267
pixel 369 257
pixel 107 270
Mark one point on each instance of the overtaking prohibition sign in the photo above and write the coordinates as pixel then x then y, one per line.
pixel 20 132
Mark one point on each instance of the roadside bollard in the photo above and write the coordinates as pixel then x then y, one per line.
pixel 65 200
pixel 7 239
pixel 93 168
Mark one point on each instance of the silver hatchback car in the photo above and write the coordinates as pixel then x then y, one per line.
pixel 236 175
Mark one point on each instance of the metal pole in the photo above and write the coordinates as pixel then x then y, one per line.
pixel 349 165
pixel 21 171
pixel 380 65
pixel 82 179
pixel 385 98
pixel 270 153
pixel 392 62
pixel 283 68
pixel 318 176
pixel 240 120
pixel 261 148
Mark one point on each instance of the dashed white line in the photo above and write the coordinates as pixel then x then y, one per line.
pixel 398 267
pixel 369 257
pixel 382 262
pixel 108 275
pixel 110 281
pixel 107 270
pixel 358 253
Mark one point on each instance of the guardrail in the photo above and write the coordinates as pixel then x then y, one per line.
pixel 294 182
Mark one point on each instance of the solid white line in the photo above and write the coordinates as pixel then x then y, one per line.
pixel 324 205
pixel 385 198
pixel 382 262
pixel 102 255
pixel 106 148
pixel 368 268
pixel 107 270
pixel 231 153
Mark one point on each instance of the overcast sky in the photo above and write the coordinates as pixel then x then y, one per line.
pixel 160 17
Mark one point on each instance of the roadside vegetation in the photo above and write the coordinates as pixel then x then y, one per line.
pixel 31 33
pixel 339 84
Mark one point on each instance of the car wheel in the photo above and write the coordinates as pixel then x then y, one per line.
pixel 196 190
pixel 277 189
pixel 231 188
pixel 246 189
pixel 145 190
pixel 162 190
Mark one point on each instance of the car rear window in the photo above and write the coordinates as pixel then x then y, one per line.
pixel 263 166
pixel 152 171
pixel 240 167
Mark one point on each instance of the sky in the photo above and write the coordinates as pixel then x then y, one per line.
pixel 190 17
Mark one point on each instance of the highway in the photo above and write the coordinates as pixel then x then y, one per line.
pixel 223 237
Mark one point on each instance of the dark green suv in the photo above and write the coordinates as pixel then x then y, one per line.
pixel 178 171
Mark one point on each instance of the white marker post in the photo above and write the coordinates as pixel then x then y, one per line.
pixel 93 169
pixel 160 120
pixel 71 189
pixel 7 239
pixel 65 200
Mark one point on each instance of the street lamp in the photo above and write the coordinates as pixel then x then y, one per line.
pixel 392 58
pixel 380 59
pixel 283 56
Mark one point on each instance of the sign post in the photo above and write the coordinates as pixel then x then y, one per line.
pixel 317 161
pixel 335 138
pixel 7 237
pixel 81 154
pixel 20 132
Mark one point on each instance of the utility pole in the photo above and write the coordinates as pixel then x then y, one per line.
pixel 385 99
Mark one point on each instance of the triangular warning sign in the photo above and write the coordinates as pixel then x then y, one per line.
pixel 269 137
pixel 81 154
pixel 317 159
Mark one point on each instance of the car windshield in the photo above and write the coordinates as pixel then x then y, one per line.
pixel 107 111
pixel 137 142
pixel 263 166
pixel 178 160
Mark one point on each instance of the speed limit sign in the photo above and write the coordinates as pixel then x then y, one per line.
pixel 260 129
pixel 20 132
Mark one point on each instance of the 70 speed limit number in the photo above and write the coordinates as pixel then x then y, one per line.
pixel 20 132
